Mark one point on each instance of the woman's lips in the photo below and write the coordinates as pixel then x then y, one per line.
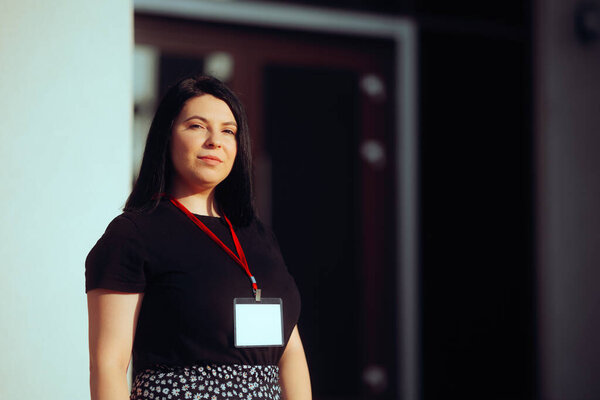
pixel 211 160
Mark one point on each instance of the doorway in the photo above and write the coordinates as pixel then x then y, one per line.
pixel 320 114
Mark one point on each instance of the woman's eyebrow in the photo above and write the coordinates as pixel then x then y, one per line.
pixel 207 121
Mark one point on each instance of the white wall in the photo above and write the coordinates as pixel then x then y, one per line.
pixel 65 78
pixel 568 205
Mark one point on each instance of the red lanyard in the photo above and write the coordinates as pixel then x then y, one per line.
pixel 241 259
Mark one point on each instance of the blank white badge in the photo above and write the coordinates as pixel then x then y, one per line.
pixel 257 323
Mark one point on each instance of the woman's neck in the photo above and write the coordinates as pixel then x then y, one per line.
pixel 198 202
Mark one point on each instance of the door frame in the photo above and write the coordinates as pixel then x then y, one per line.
pixel 403 32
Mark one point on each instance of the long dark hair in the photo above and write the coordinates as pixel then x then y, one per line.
pixel 234 195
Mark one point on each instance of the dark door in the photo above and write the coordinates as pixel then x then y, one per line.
pixel 316 211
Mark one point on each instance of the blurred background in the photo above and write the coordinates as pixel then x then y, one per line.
pixel 429 168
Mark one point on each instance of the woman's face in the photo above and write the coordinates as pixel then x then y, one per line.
pixel 203 143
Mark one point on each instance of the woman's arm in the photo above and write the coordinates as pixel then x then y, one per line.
pixel 293 370
pixel 112 321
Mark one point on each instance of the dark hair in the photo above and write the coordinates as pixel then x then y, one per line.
pixel 234 195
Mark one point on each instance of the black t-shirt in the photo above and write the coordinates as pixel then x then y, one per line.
pixel 189 284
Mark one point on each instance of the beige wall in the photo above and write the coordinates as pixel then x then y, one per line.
pixel 65 155
pixel 567 78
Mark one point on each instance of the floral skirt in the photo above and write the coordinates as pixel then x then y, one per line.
pixel 213 382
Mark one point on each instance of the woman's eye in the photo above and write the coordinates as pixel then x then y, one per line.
pixel 196 126
pixel 229 131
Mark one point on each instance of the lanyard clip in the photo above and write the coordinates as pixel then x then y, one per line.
pixel 257 294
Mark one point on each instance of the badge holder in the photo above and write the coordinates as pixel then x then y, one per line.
pixel 258 323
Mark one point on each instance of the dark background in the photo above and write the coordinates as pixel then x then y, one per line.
pixel 477 287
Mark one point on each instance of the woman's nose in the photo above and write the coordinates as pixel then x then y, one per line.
pixel 212 140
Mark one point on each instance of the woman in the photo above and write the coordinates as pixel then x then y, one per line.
pixel 162 280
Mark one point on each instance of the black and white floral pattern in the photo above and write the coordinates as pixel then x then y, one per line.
pixel 212 382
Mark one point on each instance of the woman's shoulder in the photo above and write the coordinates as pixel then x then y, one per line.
pixel 131 223
pixel 121 226
pixel 144 215
pixel 262 231
pixel 117 259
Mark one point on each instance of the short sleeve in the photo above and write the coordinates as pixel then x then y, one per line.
pixel 117 260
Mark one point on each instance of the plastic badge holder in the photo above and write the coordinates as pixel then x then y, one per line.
pixel 258 323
